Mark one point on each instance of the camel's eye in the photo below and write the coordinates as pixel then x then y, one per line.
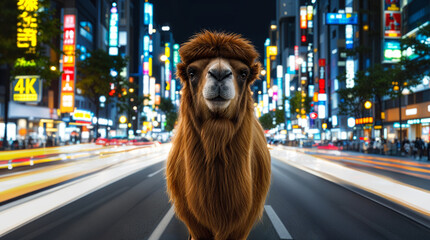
pixel 243 74
pixel 191 72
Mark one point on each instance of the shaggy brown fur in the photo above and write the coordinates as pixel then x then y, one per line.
pixel 218 170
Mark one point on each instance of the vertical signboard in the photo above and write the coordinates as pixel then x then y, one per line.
pixel 148 17
pixel 303 25
pixel 271 52
pixel 303 19
pixel 322 96
pixel 350 73
pixel 147 53
pixel 392 30
pixel 167 70
pixel 68 76
pixel 27 25
pixel 113 30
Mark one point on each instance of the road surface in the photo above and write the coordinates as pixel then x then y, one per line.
pixel 300 205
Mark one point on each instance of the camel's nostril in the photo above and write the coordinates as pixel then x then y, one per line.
pixel 220 74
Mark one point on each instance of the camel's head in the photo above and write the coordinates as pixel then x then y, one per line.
pixel 217 70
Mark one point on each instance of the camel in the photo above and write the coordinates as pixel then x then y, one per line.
pixel 218 169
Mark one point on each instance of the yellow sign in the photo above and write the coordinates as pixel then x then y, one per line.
pixel 27 25
pixel 26 89
pixel 67 102
pixel 81 115
pixel 271 51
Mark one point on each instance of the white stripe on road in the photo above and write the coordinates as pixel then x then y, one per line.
pixel 154 173
pixel 162 225
pixel 13 217
pixel 277 224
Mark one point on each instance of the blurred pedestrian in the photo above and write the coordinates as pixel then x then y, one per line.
pixel 420 147
pixel 407 147
pixel 428 151
pixel 30 142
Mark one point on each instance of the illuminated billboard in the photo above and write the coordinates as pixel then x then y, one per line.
pixel 342 18
pixel 392 50
pixel 27 25
pixel 392 5
pixel 303 20
pixel 148 16
pixel 350 73
pixel 27 89
pixel 392 24
pixel 167 69
pixel 68 76
pixel 322 96
pixel 113 30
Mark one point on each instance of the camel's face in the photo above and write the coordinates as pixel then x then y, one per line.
pixel 219 82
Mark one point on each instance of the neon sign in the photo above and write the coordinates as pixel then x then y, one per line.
pixel 27 89
pixel 113 30
pixel 68 76
pixel 27 25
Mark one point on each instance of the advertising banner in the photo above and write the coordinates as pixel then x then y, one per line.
pixel 342 18
pixel 392 24
pixel 27 89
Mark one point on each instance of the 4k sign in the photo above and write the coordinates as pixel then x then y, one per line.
pixel 27 89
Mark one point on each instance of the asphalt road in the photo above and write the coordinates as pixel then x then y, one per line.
pixel 308 207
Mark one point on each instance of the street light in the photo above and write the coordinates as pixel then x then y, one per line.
pixel 163 58
pixel 53 68
pixel 165 28
pixel 367 104
pixel 263 72
pixel 122 119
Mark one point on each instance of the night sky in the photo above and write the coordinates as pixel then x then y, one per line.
pixel 250 18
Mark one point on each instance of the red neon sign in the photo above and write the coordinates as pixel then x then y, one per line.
pixel 321 82
pixel 68 76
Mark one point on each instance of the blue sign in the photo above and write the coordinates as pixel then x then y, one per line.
pixel 342 18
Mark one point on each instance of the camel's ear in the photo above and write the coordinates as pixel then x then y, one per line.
pixel 181 72
pixel 255 72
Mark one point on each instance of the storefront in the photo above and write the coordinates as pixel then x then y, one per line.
pixel 32 126
pixel 415 122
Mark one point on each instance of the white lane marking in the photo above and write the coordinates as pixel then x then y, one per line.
pixel 153 174
pixel 277 224
pixel 162 225
pixel 16 216
pixel 406 195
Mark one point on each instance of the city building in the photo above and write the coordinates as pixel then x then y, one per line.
pixel 415 106
pixel 318 42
